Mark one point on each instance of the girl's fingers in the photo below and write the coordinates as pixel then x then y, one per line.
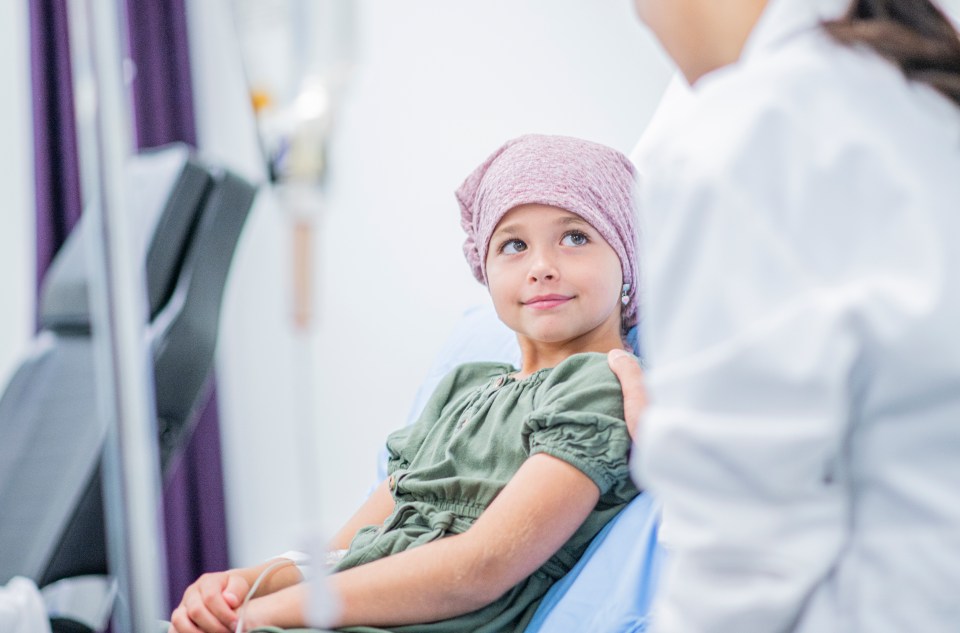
pixel 215 603
pixel 236 590
pixel 200 615
pixel 180 622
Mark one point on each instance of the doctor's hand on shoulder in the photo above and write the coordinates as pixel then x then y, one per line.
pixel 630 375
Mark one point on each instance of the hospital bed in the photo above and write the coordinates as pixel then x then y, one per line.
pixel 611 588
pixel 188 217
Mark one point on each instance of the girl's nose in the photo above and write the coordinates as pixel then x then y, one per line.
pixel 543 268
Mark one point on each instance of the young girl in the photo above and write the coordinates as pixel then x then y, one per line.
pixel 509 473
pixel 804 296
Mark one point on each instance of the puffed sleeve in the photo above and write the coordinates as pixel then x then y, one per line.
pixel 578 418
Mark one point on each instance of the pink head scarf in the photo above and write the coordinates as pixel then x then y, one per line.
pixel 588 179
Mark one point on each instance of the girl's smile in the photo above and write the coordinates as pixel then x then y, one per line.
pixel 546 302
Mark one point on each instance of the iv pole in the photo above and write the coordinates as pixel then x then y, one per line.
pixel 131 479
pixel 295 125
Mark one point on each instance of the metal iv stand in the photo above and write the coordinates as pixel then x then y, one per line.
pixel 131 479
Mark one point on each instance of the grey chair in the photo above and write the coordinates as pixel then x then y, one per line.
pixel 51 434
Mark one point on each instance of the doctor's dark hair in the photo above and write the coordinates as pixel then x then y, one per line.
pixel 912 34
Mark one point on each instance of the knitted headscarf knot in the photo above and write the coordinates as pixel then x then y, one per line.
pixel 591 180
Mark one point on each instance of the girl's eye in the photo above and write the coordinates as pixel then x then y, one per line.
pixel 575 238
pixel 512 247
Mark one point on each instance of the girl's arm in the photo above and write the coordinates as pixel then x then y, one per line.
pixel 209 604
pixel 374 511
pixel 536 513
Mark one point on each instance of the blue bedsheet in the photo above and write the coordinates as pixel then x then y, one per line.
pixel 611 588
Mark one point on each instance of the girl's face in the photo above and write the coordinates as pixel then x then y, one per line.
pixel 553 278
pixel 701 35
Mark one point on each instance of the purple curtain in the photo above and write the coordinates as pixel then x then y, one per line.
pixel 195 517
pixel 56 167
pixel 162 89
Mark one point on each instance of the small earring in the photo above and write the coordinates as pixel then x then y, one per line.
pixel 624 295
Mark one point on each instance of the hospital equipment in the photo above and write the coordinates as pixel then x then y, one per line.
pixel 124 396
pixel 191 216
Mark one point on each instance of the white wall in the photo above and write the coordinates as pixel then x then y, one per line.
pixel 438 87
pixel 17 232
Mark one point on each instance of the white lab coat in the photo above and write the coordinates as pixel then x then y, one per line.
pixel 802 293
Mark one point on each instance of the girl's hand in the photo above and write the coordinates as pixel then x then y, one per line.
pixel 630 376
pixel 283 609
pixel 210 604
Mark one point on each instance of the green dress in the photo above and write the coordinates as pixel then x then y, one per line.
pixel 475 432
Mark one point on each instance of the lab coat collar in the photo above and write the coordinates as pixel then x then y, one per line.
pixel 782 19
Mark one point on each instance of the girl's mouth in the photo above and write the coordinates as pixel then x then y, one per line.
pixel 546 302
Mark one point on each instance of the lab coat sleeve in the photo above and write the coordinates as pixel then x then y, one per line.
pixel 756 331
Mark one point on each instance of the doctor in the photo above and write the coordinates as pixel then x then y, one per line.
pixel 803 329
